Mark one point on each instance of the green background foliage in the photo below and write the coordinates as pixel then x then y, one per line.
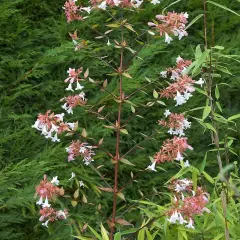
pixel 36 52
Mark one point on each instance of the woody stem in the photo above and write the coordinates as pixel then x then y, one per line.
pixel 117 157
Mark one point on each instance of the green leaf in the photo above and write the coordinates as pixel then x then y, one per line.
pixel 219 106
pixel 155 94
pixel 113 25
pixel 217 94
pixel 203 163
pixel 193 21
pixel 127 75
pixel 133 109
pixel 223 69
pixel 141 235
pixel 95 233
pixel 128 26
pixel 126 162
pixel 194 179
pixel 206 112
pixel 218 47
pixel 124 131
pixel 117 236
pixel 210 127
pixel 223 7
pixel 104 233
pixel 82 238
pixel 234 117
pixel 208 177
pixel 149 236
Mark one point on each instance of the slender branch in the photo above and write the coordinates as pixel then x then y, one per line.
pixel 101 116
pixel 137 145
pixel 117 157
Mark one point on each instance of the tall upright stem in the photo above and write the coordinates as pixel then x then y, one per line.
pixel 216 133
pixel 117 157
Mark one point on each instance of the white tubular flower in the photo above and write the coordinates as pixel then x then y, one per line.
pixel 152 167
pixel 40 201
pixel 180 218
pixel 46 204
pixel 55 181
pixel 174 217
pixel 87 9
pixel 103 5
pixel 187 164
pixel 190 224
pixel 61 213
pixel 167 113
pixel 45 224
pixel 180 99
pixel 179 157
pixel 81 184
pixel 69 88
pixel 200 82
pixel 79 86
pixel 168 39
pixel 155 2
pixel 163 74
pixel 73 175
pixel 55 138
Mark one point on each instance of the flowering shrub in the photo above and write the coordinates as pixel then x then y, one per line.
pixel 189 199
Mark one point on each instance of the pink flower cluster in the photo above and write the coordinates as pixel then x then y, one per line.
pixel 178 70
pixel 78 148
pixel 73 77
pixel 51 215
pixel 73 101
pixel 51 125
pixel 183 86
pixel 177 124
pixel 187 203
pixel 172 23
pixel 111 3
pixel 72 11
pixel 49 191
pixel 172 149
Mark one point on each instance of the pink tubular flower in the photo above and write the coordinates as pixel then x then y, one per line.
pixel 172 149
pixel 84 150
pixel 178 70
pixel 73 77
pixel 172 23
pixel 51 125
pixel 72 11
pixel 182 85
pixel 187 203
pixel 50 214
pixel 73 101
pixel 47 190
pixel 177 124
pixel 103 4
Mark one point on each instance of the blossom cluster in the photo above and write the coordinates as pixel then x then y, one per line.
pixel 182 87
pixel 78 148
pixel 75 12
pixel 51 125
pixel 49 191
pixel 176 122
pixel 187 203
pixel 75 100
pixel 172 23
pixel 172 149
